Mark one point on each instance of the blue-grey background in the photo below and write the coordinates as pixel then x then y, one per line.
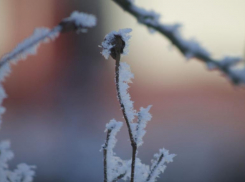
pixel 60 100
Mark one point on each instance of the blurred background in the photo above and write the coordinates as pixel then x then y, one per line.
pixel 60 100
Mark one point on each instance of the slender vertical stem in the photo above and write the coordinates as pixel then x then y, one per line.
pixel 105 155
pixel 133 143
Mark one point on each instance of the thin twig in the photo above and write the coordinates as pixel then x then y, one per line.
pixel 76 22
pixel 10 56
pixel 154 168
pixel 119 177
pixel 105 155
pixel 116 54
pixel 169 34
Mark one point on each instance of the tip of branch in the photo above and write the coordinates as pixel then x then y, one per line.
pixel 78 21
pixel 116 43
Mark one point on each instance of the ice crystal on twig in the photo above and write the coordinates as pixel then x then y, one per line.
pixel 125 77
pixel 114 167
pixel 143 117
pixel 158 164
pixel 107 44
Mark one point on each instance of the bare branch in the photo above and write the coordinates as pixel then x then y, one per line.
pixel 189 48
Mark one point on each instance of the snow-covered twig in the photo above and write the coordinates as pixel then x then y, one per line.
pixel 114 44
pixel 189 48
pixel 76 22
pixel 114 167
pixel 158 164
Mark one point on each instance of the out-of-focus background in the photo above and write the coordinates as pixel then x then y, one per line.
pixel 60 100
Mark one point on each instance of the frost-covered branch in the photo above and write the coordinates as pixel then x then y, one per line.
pixel 114 167
pixel 158 164
pixel 76 22
pixel 189 48
pixel 115 44
pixel 143 117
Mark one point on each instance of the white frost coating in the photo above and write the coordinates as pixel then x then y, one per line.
pixel 141 171
pixel 23 173
pixel 192 46
pixel 147 16
pixel 118 167
pixel 21 51
pixel 108 40
pixel 83 20
pixel 5 155
pixel 125 77
pixel 238 73
pixel 114 127
pixel 228 61
pixel 115 165
pixel 153 19
pixel 143 117
pixel 158 166
pixel 27 47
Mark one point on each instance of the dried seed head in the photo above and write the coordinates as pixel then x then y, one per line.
pixel 116 43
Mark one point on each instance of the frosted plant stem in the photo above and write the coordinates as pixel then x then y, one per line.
pixel 154 168
pixel 105 154
pixel 176 39
pixel 119 177
pixel 133 143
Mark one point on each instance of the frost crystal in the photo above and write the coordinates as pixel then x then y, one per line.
pixel 143 117
pixel 141 171
pixel 115 165
pixel 158 164
pixel 238 73
pixel 23 173
pixel 5 154
pixel 228 61
pixel 125 77
pixel 107 44
pixel 148 17
pixel 27 47
pixel 114 127
pixel 82 20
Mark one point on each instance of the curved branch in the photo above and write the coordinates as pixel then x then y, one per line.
pixel 188 48
pixel 76 22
